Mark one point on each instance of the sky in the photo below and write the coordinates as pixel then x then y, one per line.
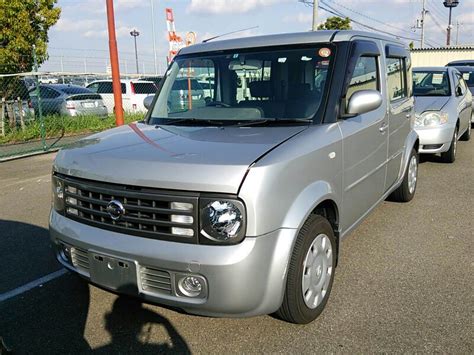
pixel 79 41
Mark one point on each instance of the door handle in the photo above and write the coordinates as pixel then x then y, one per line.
pixel 383 128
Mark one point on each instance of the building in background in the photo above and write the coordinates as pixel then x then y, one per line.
pixel 426 57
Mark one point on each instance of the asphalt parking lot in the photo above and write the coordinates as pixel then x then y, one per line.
pixel 405 283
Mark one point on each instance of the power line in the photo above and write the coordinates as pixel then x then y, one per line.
pixel 370 18
pixel 437 23
pixel 336 12
pixel 339 13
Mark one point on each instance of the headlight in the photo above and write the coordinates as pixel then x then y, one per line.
pixel 431 119
pixel 222 220
pixel 58 193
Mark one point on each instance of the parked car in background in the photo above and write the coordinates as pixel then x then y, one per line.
pixel 155 79
pixel 458 63
pixel 183 94
pixel 443 106
pixel 186 92
pixel 468 76
pixel 133 93
pixel 69 100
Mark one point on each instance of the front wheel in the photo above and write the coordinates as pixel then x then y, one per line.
pixel 450 155
pixel 406 191
pixel 467 135
pixel 310 273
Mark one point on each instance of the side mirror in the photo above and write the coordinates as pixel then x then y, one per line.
pixel 147 101
pixel 459 91
pixel 364 101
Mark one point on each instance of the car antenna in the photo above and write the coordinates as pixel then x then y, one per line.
pixel 228 33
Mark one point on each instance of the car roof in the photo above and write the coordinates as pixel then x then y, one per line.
pixel 443 69
pixel 461 62
pixel 123 81
pixel 61 87
pixel 464 68
pixel 282 39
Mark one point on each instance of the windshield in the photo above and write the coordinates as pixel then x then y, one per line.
pixel 431 83
pixel 269 85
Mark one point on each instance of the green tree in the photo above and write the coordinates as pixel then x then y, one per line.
pixel 24 23
pixel 336 23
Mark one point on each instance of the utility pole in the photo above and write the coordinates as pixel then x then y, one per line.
pixel 315 15
pixel 114 63
pixel 423 13
pixel 457 32
pixel 153 34
pixel 135 34
pixel 450 4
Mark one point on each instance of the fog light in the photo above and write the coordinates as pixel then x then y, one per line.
pixel 176 218
pixel 65 252
pixel 190 286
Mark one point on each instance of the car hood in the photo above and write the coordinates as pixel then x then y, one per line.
pixel 208 159
pixel 430 103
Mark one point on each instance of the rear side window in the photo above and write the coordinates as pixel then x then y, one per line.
pixel 144 88
pixel 396 79
pixel 76 90
pixel 48 93
pixel 365 76
pixel 105 87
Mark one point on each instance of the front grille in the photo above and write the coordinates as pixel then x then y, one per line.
pixel 148 212
pixel 80 259
pixel 155 280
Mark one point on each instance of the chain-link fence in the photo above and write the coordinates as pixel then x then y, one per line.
pixel 41 112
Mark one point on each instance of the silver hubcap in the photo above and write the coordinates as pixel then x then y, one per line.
pixel 412 174
pixel 317 271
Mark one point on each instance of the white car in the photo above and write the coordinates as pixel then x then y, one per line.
pixel 133 93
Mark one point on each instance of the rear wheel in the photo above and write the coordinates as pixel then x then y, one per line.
pixel 406 191
pixel 310 273
pixel 450 155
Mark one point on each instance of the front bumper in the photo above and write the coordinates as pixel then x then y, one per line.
pixel 435 139
pixel 246 279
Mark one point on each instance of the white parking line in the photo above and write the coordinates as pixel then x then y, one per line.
pixel 30 285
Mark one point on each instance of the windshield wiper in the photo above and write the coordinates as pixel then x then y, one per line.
pixel 267 121
pixel 190 120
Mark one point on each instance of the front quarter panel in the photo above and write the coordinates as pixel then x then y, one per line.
pixel 282 188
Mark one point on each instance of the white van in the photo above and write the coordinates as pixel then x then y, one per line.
pixel 133 93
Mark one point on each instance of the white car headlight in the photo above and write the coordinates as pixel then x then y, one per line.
pixel 57 193
pixel 222 220
pixel 431 119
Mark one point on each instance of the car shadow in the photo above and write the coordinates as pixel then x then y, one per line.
pixel 52 318
pixel 130 327
pixel 430 158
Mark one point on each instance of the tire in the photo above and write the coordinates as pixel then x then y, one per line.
pixel 406 191
pixel 467 135
pixel 450 156
pixel 316 232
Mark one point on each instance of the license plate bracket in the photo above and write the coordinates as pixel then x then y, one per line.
pixel 113 273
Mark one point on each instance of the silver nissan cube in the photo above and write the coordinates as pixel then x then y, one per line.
pixel 236 204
